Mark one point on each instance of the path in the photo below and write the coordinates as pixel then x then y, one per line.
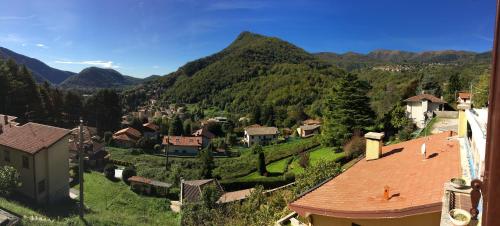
pixel 445 124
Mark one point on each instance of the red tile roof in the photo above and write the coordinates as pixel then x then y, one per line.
pixel 311 122
pixel 415 185
pixel 31 137
pixel 151 126
pixel 421 97
pixel 129 132
pixel 182 141
pixel 464 95
pixel 261 130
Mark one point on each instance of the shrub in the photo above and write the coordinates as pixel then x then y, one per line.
pixel 109 171
pixel 128 172
pixel 261 164
pixel 304 159
pixel 9 180
pixel 157 148
pixel 355 146
pixel 108 137
pixel 136 151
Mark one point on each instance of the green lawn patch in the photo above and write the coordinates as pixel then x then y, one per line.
pixel 324 153
pixel 428 129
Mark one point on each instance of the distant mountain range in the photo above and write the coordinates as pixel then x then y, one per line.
pixel 41 71
pixel 88 78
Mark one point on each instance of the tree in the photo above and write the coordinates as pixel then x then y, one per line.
pixel 187 127
pixel 304 159
pixel 207 161
pixel 398 117
pixel 73 106
pixel 127 173
pixel 103 110
pixel 452 88
pixel 136 124
pixel 175 128
pixel 480 92
pixel 9 180
pixel 261 163
pixel 316 174
pixel 347 109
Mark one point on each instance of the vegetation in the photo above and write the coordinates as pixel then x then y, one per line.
pixel 480 92
pixel 316 174
pixel 9 180
pixel 127 173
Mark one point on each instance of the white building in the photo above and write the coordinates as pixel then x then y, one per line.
pixel 473 131
pixel 260 135
pixel 421 107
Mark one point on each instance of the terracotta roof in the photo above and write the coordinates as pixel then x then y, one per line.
pixel 129 131
pixel 309 127
pixel 32 137
pixel 235 195
pixel 125 137
pixel 182 141
pixel 203 133
pixel 421 97
pixel 151 126
pixel 464 95
pixel 144 180
pixel 415 185
pixel 191 190
pixel 262 130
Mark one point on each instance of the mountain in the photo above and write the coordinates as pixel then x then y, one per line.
pixel 247 57
pixel 353 60
pixel 41 71
pixel 94 77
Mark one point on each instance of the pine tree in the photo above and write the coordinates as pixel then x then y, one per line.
pixel 452 88
pixel 207 161
pixel 175 128
pixel 347 109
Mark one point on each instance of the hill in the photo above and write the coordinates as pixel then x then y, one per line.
pixel 41 71
pixel 94 77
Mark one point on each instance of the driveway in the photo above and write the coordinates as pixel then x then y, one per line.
pixel 445 124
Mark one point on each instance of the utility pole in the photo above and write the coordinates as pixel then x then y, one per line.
pixel 80 171
pixel 166 153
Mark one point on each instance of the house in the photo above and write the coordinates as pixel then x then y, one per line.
pixel 260 135
pixel 182 144
pixel 472 130
pixel 151 129
pixel 206 136
pixel 308 130
pixel 421 107
pixel 127 137
pixel 94 148
pixel 40 155
pixel 148 186
pixel 311 122
pixel 464 98
pixel 394 185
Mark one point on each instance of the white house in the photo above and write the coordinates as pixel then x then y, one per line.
pixel 464 98
pixel 260 135
pixel 421 107
pixel 472 128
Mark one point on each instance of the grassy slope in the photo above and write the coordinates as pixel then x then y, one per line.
pixel 324 153
pixel 110 203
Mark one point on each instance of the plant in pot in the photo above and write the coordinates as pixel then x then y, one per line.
pixel 460 217
pixel 458 183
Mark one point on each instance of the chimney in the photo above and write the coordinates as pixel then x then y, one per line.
pixel 462 119
pixel 5 120
pixel 1 129
pixel 373 145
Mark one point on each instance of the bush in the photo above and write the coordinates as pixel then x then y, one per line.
pixel 157 148
pixel 108 137
pixel 109 171
pixel 136 151
pixel 304 159
pixel 266 182
pixel 355 146
pixel 127 173
pixel 9 180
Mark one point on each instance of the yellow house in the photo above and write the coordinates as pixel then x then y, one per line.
pixel 40 155
pixel 396 185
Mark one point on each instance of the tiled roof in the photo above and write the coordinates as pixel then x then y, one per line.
pixel 262 130
pixel 235 195
pixel 203 133
pixel 421 97
pixel 31 137
pixel 415 185
pixel 151 126
pixel 464 95
pixel 191 190
pixel 144 180
pixel 309 127
pixel 182 141
pixel 129 131
pixel 311 122
pixel 9 119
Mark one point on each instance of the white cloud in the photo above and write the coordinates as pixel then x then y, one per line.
pixel 16 17
pixel 41 45
pixel 97 63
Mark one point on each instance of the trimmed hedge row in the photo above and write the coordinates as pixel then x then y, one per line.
pixel 266 182
pixel 121 163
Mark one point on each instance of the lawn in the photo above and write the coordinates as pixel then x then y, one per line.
pixel 315 156
pixel 277 167
pixel 428 129
pixel 107 202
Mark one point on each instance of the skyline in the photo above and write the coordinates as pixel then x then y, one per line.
pixel 141 38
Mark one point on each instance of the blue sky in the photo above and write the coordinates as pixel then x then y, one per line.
pixel 140 38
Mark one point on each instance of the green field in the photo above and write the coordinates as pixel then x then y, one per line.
pixel 277 167
pixel 107 202
pixel 323 153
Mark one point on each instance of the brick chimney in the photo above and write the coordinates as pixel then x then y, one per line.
pixel 462 119
pixel 373 145
pixel 5 120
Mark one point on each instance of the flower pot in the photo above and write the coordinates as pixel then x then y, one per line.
pixel 459 217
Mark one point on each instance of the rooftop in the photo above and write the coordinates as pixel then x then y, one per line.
pixel 309 127
pixel 151 126
pixel 261 130
pixel 415 185
pixel 203 133
pixel 464 95
pixel 428 97
pixel 31 137
pixel 128 131
pixel 182 141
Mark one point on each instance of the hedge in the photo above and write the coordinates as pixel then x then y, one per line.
pixel 266 182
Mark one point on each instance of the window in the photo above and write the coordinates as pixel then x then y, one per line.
pixel 41 187
pixel 26 162
pixel 6 156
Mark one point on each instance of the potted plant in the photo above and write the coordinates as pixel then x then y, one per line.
pixel 458 183
pixel 459 217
